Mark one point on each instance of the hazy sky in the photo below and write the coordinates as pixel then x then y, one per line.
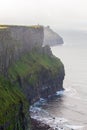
pixel 56 13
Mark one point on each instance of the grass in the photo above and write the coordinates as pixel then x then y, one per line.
pixel 32 63
pixel 32 26
pixel 35 26
pixel 3 27
pixel 10 97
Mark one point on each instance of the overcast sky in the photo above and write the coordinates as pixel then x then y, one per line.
pixel 56 13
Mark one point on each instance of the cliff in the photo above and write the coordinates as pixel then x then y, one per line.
pixel 51 38
pixel 28 71
pixel 38 74
pixel 15 41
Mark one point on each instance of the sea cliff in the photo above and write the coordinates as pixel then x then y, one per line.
pixel 28 71
pixel 51 38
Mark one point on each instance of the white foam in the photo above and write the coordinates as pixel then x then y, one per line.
pixel 56 123
pixel 71 92
pixel 42 100
pixel 60 93
pixel 74 127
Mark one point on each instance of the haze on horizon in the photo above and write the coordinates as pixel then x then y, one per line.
pixel 63 14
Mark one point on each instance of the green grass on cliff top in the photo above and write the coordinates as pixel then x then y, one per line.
pixel 7 26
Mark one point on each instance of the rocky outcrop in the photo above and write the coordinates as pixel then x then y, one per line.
pixel 51 38
pixel 38 125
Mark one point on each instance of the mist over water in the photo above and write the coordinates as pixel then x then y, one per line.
pixel 73 104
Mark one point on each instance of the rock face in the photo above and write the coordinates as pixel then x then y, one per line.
pixel 16 41
pixel 42 77
pixel 38 125
pixel 31 71
pixel 51 38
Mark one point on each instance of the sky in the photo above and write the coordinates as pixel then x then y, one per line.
pixel 62 14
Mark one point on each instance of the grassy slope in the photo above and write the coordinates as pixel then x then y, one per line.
pixel 10 97
pixel 32 63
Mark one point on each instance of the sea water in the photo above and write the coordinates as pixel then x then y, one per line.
pixel 71 106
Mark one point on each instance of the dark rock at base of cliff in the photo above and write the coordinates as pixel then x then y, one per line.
pixel 38 125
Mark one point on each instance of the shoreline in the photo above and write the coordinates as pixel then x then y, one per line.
pixel 42 120
pixel 38 125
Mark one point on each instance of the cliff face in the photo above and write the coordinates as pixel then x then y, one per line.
pixel 30 70
pixel 51 38
pixel 15 41
pixel 38 74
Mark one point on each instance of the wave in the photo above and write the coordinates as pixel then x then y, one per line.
pixel 71 92
pixel 56 123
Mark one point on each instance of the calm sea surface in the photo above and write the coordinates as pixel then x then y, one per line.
pixel 73 104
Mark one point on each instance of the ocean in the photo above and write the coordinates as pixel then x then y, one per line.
pixel 71 106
